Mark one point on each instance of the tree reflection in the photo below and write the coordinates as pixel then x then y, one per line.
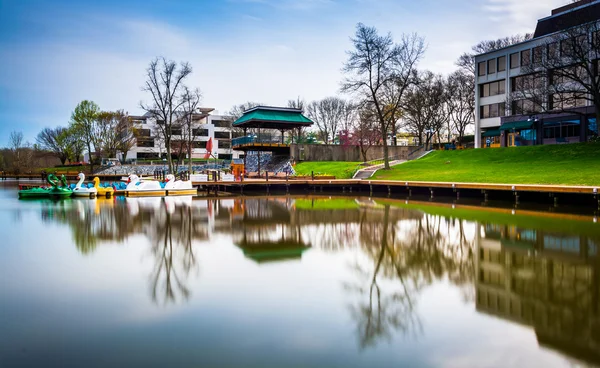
pixel 403 257
pixel 173 254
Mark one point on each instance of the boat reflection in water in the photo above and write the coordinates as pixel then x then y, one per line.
pixel 539 270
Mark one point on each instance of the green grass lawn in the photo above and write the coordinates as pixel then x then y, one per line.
pixel 569 164
pixel 339 169
pixel 326 204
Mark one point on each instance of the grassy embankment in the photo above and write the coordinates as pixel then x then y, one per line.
pixel 568 164
pixel 341 170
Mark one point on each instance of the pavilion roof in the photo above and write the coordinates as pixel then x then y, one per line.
pixel 272 118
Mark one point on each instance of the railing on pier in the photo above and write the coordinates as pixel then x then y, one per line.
pixel 257 138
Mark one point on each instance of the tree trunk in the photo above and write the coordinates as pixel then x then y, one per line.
pixel 386 161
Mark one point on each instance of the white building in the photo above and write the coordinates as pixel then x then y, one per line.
pixel 149 145
pixel 497 75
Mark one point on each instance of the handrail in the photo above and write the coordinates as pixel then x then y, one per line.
pixel 380 161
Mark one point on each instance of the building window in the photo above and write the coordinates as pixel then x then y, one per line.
pixel 199 144
pixel 552 50
pixel 527 82
pixel 491 66
pixel 492 111
pixel 525 106
pixel 514 60
pixel 221 123
pixel 146 143
pixel 502 63
pixel 481 68
pixel 147 156
pixel 566 47
pixel 222 135
pixel 525 57
pixel 176 131
pixel 537 54
pixel 560 101
pixel 561 130
pixel 199 132
pixel 225 156
pixel 224 144
pixel 528 134
pixel 143 132
pixel 492 89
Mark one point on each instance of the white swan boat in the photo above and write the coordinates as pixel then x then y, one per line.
pixel 178 187
pixel 138 187
pixel 81 191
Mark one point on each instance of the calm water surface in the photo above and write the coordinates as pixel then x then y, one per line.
pixel 294 282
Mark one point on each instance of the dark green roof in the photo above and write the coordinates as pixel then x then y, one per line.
pixel 492 133
pixel 516 125
pixel 272 118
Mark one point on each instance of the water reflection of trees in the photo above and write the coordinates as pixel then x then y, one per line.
pixel 403 257
pixel 169 224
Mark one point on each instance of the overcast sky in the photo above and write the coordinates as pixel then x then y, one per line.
pixel 57 53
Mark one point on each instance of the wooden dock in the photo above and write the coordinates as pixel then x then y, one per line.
pixel 516 192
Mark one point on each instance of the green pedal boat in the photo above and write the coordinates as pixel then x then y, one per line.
pixel 53 192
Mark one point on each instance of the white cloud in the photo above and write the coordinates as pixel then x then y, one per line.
pixel 518 16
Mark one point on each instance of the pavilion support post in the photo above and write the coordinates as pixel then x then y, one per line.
pixel 282 137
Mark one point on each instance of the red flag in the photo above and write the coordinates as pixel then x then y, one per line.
pixel 209 147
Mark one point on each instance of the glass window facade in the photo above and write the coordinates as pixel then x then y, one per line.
pixel 491 66
pixel 492 111
pixel 561 129
pixel 514 60
pixel 529 134
pixel 493 88
pixel 525 57
pixel 481 68
pixel 537 55
pixel 502 63
pixel 200 132
pixel 222 135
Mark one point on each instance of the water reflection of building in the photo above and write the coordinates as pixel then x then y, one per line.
pixel 545 279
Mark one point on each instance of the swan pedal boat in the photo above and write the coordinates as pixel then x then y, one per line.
pixel 137 187
pixel 178 187
pixel 54 192
pixel 81 191
pixel 103 191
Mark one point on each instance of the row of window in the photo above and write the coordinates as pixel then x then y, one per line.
pixel 493 88
pixel 493 66
pixel 535 55
pixel 149 143
pixel 492 110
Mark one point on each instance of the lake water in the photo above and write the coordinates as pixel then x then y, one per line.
pixel 295 282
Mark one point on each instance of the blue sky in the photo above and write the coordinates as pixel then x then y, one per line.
pixel 57 53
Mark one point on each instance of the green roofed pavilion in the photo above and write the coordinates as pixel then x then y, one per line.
pixel 265 128
pixel 265 117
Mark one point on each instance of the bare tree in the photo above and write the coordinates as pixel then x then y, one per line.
pixel 561 75
pixel 461 102
pixel 466 61
pixel 329 114
pixel 56 141
pixel 380 71
pixel 425 107
pixel 191 101
pixel 298 103
pixel 165 84
pixel 364 133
